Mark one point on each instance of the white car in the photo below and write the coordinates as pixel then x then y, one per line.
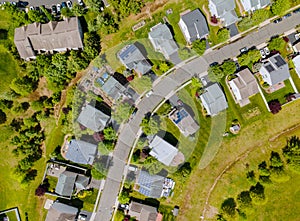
pixel 203 80
pixel 262 53
pixel 149 93
pixel 266 50
pixel 80 2
pixel 69 4
pixel 297 36
pixel 58 8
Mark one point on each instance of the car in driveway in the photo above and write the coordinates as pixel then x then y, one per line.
pixel 266 50
pixel 69 4
pixel 287 15
pixel 63 5
pixel 58 7
pixel 262 53
pixel 297 36
pixel 53 9
pixel 277 20
pixel 80 2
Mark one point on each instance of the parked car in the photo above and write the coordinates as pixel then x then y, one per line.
pixel 31 8
pixel 69 4
pixel 53 9
pixel 297 36
pixel 243 50
pixel 277 20
pixel 203 80
pixel 80 2
pixel 287 15
pixel 63 5
pixel 297 10
pixel 266 50
pixel 262 53
pixel 149 93
pixel 58 8
pixel 237 65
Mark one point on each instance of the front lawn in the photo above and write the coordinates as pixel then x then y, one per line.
pixel 89 201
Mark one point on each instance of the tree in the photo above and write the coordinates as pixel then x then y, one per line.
pixel 184 53
pixel 76 62
pixel 223 35
pixel 124 197
pixel 228 207
pixel 215 73
pixel 66 12
pixel 279 7
pixel 2 117
pixel 78 10
pixel 23 86
pixel 260 15
pixel 199 46
pixel 121 112
pixel 99 171
pixel 228 67
pixel 164 109
pixel 249 58
pixel 251 177
pixel 41 190
pixel 110 134
pixel 292 154
pixel 257 192
pixel 91 45
pixel 244 200
pixel 263 169
pixel 275 160
pixel 196 84
pixel 185 170
pixel 150 125
pixel 94 5
pixel 277 44
pixel 49 16
pixel 36 16
pixel 164 67
pixel 275 106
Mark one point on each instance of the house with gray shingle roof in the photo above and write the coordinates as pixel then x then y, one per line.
pixel 93 118
pixel 150 185
pixel 162 40
pixel 163 151
pixel 296 61
pixel 213 99
pixel 56 36
pixel 252 5
pixel 81 152
pixel 243 86
pixel 224 10
pixel 142 212
pixel 193 25
pixel 61 212
pixel 133 59
pixel 113 88
pixel 274 70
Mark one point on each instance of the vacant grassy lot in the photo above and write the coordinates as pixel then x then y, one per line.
pixel 253 137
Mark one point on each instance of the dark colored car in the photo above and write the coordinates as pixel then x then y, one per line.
pixel 63 5
pixel 277 20
pixel 297 10
pixel 287 15
pixel 54 9
pixel 243 50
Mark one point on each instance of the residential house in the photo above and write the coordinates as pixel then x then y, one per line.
pixel 244 86
pixel 252 5
pixel 163 151
pixel 154 186
pixel 274 70
pixel 193 25
pixel 184 121
pixel 162 40
pixel 296 61
pixel 133 59
pixel 93 118
pixel 213 99
pixel 61 212
pixel 81 152
pixel 224 10
pixel 142 212
pixel 55 36
pixel 296 46
pixel 68 180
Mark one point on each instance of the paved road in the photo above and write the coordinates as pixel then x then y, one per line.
pixel 164 86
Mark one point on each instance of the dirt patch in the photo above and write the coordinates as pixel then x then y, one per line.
pixel 41 90
pixel 252 113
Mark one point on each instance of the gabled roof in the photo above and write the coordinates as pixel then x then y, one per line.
pixel 150 185
pixel 81 182
pixel 66 183
pixel 113 88
pixel 184 121
pixel 214 98
pixel 133 58
pixel 82 152
pixel 196 24
pixel 223 6
pixel 142 212
pixel 162 39
pixel 51 36
pixel 93 118
pixel 245 83
pixel 230 17
pixel 277 68
pixel 61 212
pixel 296 61
pixel 256 3
pixel 163 151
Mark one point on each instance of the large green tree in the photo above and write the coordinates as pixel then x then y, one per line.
pixel 223 35
pixel 228 67
pixel 199 46
pixel 121 112
pixel 279 7
pixel 215 73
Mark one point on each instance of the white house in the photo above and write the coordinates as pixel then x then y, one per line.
pixel 224 10
pixel 193 25
pixel 252 5
pixel 274 70
pixel 296 61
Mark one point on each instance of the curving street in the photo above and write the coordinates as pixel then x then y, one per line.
pixel 165 86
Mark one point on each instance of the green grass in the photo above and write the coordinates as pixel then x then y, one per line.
pixel 295 78
pixel 89 201
pixel 280 94
pixel 52 183
pixel 12 216
pixel 166 211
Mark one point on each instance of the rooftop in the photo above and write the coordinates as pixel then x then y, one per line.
pixel 142 212
pixel 61 212
pixel 150 185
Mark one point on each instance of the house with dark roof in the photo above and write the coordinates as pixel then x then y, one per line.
pixel 162 40
pixel 81 152
pixel 296 61
pixel 133 59
pixel 213 99
pixel 163 151
pixel 224 10
pixel 243 86
pixel 68 180
pixel 61 212
pixel 274 70
pixel 193 25
pixel 184 121
pixel 55 36
pixel 92 118
pixel 142 212
pixel 252 5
